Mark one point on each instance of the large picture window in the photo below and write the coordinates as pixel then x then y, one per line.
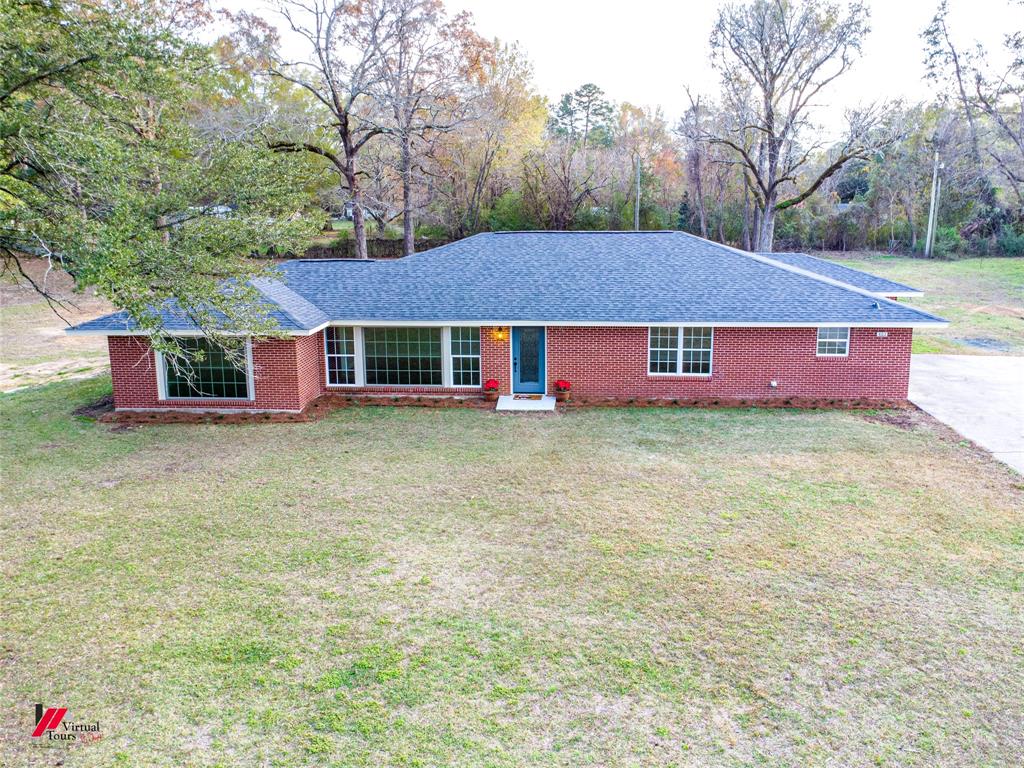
pixel 340 348
pixel 466 357
pixel 833 342
pixel 682 351
pixel 214 376
pixel 403 356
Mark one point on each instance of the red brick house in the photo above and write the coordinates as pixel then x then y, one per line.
pixel 621 315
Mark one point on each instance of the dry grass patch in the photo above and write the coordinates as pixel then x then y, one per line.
pixel 982 298
pixel 33 346
pixel 427 587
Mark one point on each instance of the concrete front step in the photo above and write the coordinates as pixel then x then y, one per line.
pixel 525 403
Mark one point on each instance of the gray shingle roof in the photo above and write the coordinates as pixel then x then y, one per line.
pixel 854 277
pixel 569 277
pixel 175 321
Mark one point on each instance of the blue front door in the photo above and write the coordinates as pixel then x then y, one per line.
pixel 528 359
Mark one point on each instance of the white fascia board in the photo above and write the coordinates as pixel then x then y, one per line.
pixel 627 324
pixel 556 323
pixel 183 334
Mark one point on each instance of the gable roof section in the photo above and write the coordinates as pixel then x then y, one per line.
pixel 871 283
pixel 570 278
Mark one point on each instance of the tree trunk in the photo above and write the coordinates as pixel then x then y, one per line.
pixel 408 225
pixel 698 181
pixel 766 232
pixel 358 219
pixel 746 218
pixel 913 228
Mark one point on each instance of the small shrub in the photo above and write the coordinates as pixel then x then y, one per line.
pixel 948 243
pixel 1010 243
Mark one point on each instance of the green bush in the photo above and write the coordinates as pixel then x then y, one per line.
pixel 432 231
pixel 1010 243
pixel 979 246
pixel 508 214
pixel 948 243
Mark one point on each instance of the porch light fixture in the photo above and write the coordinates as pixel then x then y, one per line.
pixel 500 333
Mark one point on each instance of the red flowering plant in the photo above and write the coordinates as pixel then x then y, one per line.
pixel 491 385
pixel 562 385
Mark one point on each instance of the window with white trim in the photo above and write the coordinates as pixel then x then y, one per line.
pixel 663 350
pixel 833 342
pixel 678 351
pixel 403 356
pixel 206 372
pixel 696 351
pixel 465 351
pixel 340 350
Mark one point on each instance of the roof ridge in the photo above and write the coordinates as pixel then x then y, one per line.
pixel 438 248
pixel 263 283
pixel 580 232
pixel 813 275
pixel 769 254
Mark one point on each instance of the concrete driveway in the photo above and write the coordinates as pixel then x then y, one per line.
pixel 982 398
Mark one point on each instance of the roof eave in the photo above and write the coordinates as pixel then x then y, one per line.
pixel 923 324
pixel 899 294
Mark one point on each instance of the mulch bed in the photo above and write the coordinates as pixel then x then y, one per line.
pixel 732 402
pixel 102 410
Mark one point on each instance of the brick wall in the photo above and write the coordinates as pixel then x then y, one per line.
pixel 600 363
pixel 275 367
pixel 496 358
pixel 612 362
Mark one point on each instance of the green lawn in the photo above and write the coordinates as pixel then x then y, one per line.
pixel 417 587
pixel 982 298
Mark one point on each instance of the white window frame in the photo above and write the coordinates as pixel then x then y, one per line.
pixel 357 349
pixel 650 338
pixel 449 364
pixel 818 340
pixel 447 370
pixel 250 381
pixel 680 332
pixel 446 373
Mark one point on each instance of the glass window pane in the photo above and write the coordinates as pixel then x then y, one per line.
pixel 833 341
pixel 341 355
pixel 214 376
pixel 465 356
pixel 662 350
pixel 696 351
pixel 403 356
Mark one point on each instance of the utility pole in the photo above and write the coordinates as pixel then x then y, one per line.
pixel 636 205
pixel 931 208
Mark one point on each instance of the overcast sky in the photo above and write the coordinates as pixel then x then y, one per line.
pixel 647 52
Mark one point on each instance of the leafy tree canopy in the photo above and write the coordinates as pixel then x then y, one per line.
pixel 121 160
